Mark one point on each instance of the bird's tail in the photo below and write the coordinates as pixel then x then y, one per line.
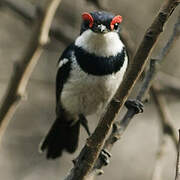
pixel 62 136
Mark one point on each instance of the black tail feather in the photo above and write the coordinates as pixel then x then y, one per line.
pixel 62 136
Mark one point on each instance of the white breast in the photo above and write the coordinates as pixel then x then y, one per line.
pixel 105 45
pixel 85 93
pixel 88 94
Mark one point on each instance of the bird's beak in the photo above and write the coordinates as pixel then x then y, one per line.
pixel 100 28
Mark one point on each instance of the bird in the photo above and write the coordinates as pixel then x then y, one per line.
pixel 90 70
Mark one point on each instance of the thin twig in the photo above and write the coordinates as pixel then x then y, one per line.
pixel 164 113
pixel 177 177
pixel 23 8
pixel 29 13
pixel 89 154
pixel 174 37
pixel 158 168
pixel 23 69
pixel 166 126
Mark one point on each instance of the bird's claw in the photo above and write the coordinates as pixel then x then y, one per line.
pixel 135 104
pixel 105 156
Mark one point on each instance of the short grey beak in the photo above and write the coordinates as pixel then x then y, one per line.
pixel 101 28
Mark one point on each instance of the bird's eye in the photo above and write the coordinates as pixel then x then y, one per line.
pixel 115 22
pixel 116 25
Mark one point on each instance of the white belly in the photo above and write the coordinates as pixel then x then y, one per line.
pixel 88 94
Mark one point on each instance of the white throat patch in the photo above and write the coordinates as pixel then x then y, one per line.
pixel 108 44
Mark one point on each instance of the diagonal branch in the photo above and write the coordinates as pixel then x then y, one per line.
pixel 24 68
pixel 120 126
pixel 89 154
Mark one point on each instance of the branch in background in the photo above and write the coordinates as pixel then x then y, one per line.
pixel 175 35
pixel 158 97
pixel 158 169
pixel 166 127
pixel 24 68
pixel 23 8
pixel 89 154
pixel 164 113
pixel 29 13
pixel 177 177
pixel 161 104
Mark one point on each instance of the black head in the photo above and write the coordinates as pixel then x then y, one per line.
pixel 100 22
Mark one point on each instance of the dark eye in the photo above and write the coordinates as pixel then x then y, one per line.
pixel 116 25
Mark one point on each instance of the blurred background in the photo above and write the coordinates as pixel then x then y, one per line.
pixel 134 156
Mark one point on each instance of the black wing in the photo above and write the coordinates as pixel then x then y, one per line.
pixel 63 71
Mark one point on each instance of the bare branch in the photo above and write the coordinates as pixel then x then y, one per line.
pixel 24 69
pixel 29 13
pixel 174 37
pixel 94 144
pixel 178 161
pixel 164 113
pixel 120 126
pixel 158 169
pixel 23 8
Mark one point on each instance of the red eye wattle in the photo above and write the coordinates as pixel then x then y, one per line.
pixel 87 17
pixel 116 19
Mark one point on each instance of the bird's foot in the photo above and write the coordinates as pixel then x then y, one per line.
pixel 105 156
pixel 135 104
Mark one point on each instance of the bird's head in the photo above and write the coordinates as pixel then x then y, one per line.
pixel 100 22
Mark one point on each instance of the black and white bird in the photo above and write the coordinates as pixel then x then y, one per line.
pixel 89 72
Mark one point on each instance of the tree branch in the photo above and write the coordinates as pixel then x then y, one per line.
pixel 94 144
pixel 120 126
pixel 158 169
pixel 24 68
pixel 177 177
pixel 23 8
pixel 164 113
pixel 174 37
